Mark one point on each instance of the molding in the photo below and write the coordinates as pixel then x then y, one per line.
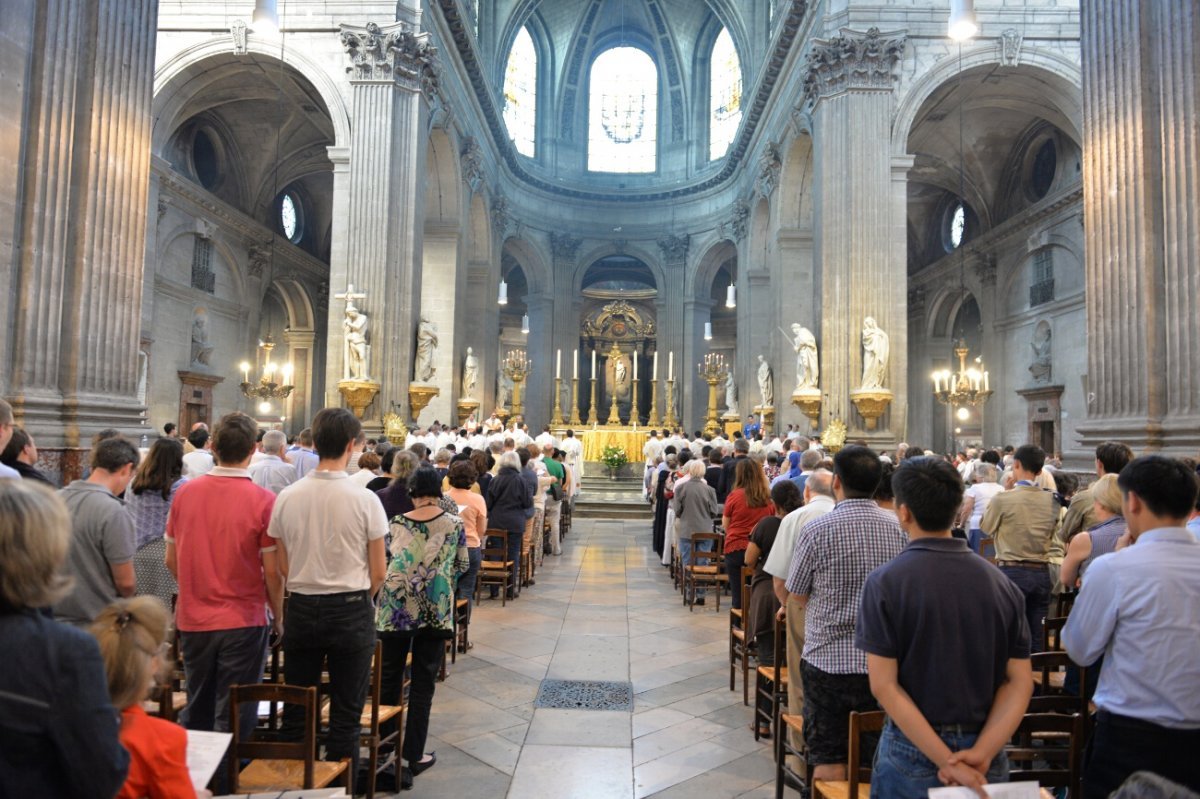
pixel 195 297
pixel 852 61
pixel 564 247
pixel 1047 310
pixel 674 248
pixel 391 52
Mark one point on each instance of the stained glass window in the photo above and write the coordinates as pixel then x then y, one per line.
pixel 288 218
pixel 725 95
pixel 623 112
pixel 520 93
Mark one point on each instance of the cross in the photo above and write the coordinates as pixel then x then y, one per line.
pixel 349 296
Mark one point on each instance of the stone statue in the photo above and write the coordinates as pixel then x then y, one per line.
pixel 731 404
pixel 875 345
pixel 766 383
pixel 620 372
pixel 1042 367
pixel 504 389
pixel 807 368
pixel 565 400
pixel 470 375
pixel 427 343
pixel 201 349
pixel 143 369
pixel 357 349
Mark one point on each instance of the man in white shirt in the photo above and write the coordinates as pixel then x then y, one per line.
pixel 330 535
pixel 545 438
pixel 574 451
pixel 272 472
pixel 200 460
pixel 652 449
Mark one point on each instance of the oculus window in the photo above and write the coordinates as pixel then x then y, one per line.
pixel 520 93
pixel 725 95
pixel 623 112
pixel 291 217
pixel 955 226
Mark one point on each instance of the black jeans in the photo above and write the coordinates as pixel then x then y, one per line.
pixel 1121 745
pixel 427 652
pixel 733 567
pixel 336 632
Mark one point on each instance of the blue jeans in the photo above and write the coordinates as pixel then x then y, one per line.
pixel 1035 585
pixel 466 582
pixel 901 770
pixel 685 555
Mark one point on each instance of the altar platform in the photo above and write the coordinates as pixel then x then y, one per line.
pixel 627 438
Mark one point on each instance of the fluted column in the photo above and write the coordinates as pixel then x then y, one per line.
pixel 674 335
pixel 566 317
pixel 392 76
pixel 849 84
pixel 81 225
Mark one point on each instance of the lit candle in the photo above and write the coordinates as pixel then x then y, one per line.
pixel 287 374
pixel 985 381
pixel 245 372
pixel 575 365
pixel 654 368
pixel 671 365
pixel 593 364
pixel 635 360
pixel 270 370
pixel 557 364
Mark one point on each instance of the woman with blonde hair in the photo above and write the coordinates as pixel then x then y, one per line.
pixel 58 729
pixel 131 635
pixel 1100 538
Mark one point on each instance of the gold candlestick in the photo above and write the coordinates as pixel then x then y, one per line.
pixel 669 420
pixel 557 419
pixel 593 418
pixel 634 416
pixel 653 420
pixel 517 367
pixel 575 420
pixel 714 372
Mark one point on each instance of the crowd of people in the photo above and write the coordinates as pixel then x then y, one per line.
pixel 235 541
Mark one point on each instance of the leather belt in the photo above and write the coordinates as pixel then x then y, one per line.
pixel 1023 564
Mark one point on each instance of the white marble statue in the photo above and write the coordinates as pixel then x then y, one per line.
pixel 201 349
pixel 427 343
pixel 621 372
pixel 470 375
pixel 1042 367
pixel 731 399
pixel 807 368
pixel 357 349
pixel 875 345
pixel 766 383
pixel 504 389
pixel 565 400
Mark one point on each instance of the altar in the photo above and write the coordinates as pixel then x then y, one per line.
pixel 628 439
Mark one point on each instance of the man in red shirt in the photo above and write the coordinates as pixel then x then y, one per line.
pixel 228 573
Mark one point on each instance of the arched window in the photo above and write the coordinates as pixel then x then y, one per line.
pixel 520 93
pixel 623 112
pixel 725 95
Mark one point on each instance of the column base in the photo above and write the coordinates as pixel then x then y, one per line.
pixel 57 421
pixel 1178 436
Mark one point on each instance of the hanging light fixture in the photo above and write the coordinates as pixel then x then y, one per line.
pixel 525 324
pixel 708 331
pixel 266 17
pixel 503 298
pixel 731 296
pixel 964 25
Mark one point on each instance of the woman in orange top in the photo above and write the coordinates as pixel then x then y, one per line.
pixel 472 508
pixel 130 633
pixel 747 504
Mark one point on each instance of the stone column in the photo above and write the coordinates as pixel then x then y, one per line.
pixel 1141 183
pixel 564 327
pixel 298 406
pixel 380 198
pixel 80 229
pixel 858 218
pixel 539 346
pixel 674 335
pixel 694 401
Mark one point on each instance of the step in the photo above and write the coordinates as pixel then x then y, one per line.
pixel 612 510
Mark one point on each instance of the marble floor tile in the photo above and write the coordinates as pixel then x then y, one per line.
pixel 573 771
pixel 680 766
pixel 562 727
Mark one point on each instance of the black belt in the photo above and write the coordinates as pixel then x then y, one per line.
pixel 1130 722
pixel 1022 564
pixel 345 597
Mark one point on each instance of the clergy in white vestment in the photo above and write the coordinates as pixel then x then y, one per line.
pixel 573 449
pixel 652 449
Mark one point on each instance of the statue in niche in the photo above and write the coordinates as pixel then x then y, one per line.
pixel 357 349
pixel 427 343
pixel 807 367
pixel 621 373
pixel 470 375
pixel 875 345
pixel 565 400
pixel 1042 367
pixel 201 349
pixel 504 389
pixel 143 369
pixel 766 383
pixel 731 399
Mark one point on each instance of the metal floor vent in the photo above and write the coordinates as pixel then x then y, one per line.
pixel 585 695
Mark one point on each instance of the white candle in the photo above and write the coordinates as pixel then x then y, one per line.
pixel 575 365
pixel 671 365
pixel 557 364
pixel 654 368
pixel 985 381
pixel 287 374
pixel 593 364
pixel 635 360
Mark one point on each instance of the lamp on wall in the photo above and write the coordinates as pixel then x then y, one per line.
pixel 731 296
pixel 708 331
pixel 525 324
pixel 503 298
pixel 964 25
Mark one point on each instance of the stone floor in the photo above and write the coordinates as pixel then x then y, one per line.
pixel 604 610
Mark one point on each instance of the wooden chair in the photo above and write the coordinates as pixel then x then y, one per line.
pixel 703 569
pixel 496 568
pixel 278 765
pixel 1064 602
pixel 858 786
pixel 169 699
pixel 1052 633
pixel 740 643
pixel 771 682
pixel 1048 748
pixel 784 749
pixel 462 622
pixel 985 544
pixel 1049 674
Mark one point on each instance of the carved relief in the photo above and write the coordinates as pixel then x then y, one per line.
pixel 564 246
pixel 500 215
pixel 769 167
pixel 472 163
pixel 674 248
pixel 741 215
pixel 618 320
pixel 237 31
pixel 1010 47
pixel 260 259
pixel 852 61
pixel 395 53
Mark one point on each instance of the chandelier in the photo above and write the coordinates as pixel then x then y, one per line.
pixel 964 387
pixel 267 388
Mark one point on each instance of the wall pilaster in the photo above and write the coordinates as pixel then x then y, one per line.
pixel 674 333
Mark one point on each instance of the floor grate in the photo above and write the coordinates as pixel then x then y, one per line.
pixel 585 695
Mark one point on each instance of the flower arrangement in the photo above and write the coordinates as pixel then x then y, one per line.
pixel 614 458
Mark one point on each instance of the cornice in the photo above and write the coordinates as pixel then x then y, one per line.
pixel 769 78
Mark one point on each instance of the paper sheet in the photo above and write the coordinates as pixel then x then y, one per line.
pixel 204 753
pixel 1000 790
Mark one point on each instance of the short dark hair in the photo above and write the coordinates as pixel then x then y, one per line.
pixel 169 428
pixel 859 469
pixel 1166 485
pixel 420 450
pixel 234 438
pixel 685 455
pixel 931 489
pixel 113 454
pixel 462 474
pixel 914 452
pixel 425 482
pixel 305 438
pixel 884 491
pixel 1113 456
pixel 990 456
pixel 334 429
pixel 523 454
pixel 198 438
pixel 1031 457
pixel 18 442
pixel 385 461
pixel 715 456
pixel 786 496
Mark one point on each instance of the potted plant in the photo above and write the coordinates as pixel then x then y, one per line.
pixel 614 458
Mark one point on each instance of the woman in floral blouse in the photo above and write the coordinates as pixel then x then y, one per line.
pixel 428 552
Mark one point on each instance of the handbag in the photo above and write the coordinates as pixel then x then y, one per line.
pixel 555 491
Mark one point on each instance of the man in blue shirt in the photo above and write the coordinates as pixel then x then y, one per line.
pixel 1140 608
pixel 751 428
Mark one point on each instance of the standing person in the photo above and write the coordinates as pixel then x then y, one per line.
pixel 748 503
pixel 21 456
pixel 741 450
pixel 1140 608
pixel 695 506
pixel 171 430
pixel 199 460
pixel 950 667
pixel 508 500
pixel 149 501
pixel 395 497
pixel 472 509
pixel 555 495
pixel 330 534
pixel 574 450
pixel 416 609
pixel 229 571
pixel 304 458
pixel 1099 539
pixel 6 433
pixel 271 471
pixel 833 556
pixel 984 487
pixel 58 729
pixel 1022 522
pixel 104 540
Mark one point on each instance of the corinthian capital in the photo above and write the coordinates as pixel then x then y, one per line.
pixel 852 61
pixel 564 246
pixel 392 52
pixel 674 247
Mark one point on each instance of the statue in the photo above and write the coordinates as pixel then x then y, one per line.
pixel 731 406
pixel 875 355
pixel 201 349
pixel 355 327
pixel 766 383
pixel 807 368
pixel 427 342
pixel 1041 368
pixel 470 375
pixel 620 372
pixel 504 389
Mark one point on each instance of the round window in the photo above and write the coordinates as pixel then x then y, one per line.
pixel 204 159
pixel 1045 166
pixel 291 220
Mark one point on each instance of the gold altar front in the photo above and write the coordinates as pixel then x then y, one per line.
pixel 628 439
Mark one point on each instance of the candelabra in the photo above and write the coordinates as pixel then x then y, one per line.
pixel 557 419
pixel 266 388
pixel 713 371
pixel 516 367
pixel 634 416
pixel 669 420
pixel 967 386
pixel 653 420
pixel 593 417
pixel 575 420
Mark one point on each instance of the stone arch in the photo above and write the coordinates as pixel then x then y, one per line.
pixel 944 309
pixel 796 183
pixel 533 263
pixel 605 250
pixel 716 254
pixel 480 229
pixel 220 246
pixel 443 190
pixel 297 302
